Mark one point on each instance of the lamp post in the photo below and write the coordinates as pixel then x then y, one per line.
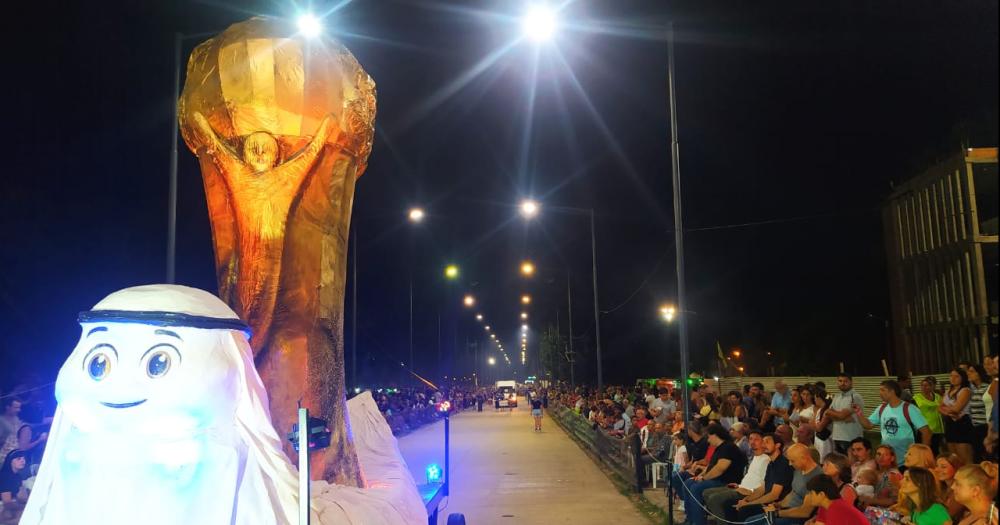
pixel 678 222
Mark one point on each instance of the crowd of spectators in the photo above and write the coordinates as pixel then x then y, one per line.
pixel 805 453
pixel 23 434
pixel 406 409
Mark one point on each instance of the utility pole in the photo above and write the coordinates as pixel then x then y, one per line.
pixel 675 165
pixel 354 310
pixel 569 305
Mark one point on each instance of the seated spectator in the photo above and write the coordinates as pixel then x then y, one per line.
pixel 732 412
pixel 720 500
pixel 777 480
pixel 678 425
pixel 920 455
pixel 975 488
pixel 792 509
pixel 865 481
pixel 887 486
pixel 837 467
pixel 945 471
pixel 697 444
pixel 861 457
pixel 13 495
pixel 640 419
pixel 726 466
pixel 920 498
pixel 784 432
pixel 740 439
pixel 805 435
pixel 831 509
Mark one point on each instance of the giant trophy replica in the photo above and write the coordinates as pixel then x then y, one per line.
pixel 282 127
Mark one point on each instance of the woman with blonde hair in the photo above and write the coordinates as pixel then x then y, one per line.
pixel 920 455
pixel 975 487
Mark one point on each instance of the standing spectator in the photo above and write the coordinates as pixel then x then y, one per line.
pixel 945 471
pixel 955 408
pixel 720 500
pixel 726 467
pixel 989 399
pixel 841 412
pixel 979 384
pixel 666 406
pixel 905 388
pixel 777 480
pixel 797 406
pixel 732 411
pixel 30 444
pixel 861 457
pixel 921 497
pixel 975 488
pixel 781 405
pixel 928 401
pixel 808 413
pixel 791 509
pixel 821 424
pixel 10 423
pixel 899 422
pixel 830 507
pixel 887 487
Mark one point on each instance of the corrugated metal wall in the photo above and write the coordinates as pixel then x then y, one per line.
pixel 866 386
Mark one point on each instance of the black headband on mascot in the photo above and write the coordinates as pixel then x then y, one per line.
pixel 164 319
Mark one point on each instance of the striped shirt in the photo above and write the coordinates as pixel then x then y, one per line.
pixel 977 408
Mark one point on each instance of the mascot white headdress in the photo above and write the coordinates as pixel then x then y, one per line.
pixel 163 419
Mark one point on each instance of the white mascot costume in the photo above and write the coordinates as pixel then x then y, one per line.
pixel 162 419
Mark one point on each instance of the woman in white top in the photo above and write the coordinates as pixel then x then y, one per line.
pixel 822 425
pixel 793 415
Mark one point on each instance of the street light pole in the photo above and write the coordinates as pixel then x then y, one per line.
pixel 682 309
pixel 569 305
pixel 172 192
pixel 354 310
pixel 597 319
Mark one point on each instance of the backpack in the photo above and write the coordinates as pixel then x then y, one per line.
pixel 906 414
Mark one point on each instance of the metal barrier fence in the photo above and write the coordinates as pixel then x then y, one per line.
pixel 614 453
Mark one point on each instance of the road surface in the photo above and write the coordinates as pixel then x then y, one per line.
pixel 505 473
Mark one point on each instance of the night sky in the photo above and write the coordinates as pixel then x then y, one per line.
pixel 795 118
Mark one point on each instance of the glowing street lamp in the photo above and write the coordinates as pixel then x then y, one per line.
pixel 309 25
pixel 487 328
pixel 736 353
pixel 668 312
pixel 416 215
pixel 492 360
pixel 451 272
pixel 479 317
pixel 469 301
pixel 524 315
pixel 525 299
pixel 493 336
pixel 524 328
pixel 529 208
pixel 527 269
pixel 538 24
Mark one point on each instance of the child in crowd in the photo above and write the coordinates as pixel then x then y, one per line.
pixel 866 482
pixel 681 458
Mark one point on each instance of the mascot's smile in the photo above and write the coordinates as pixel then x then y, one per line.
pixel 123 405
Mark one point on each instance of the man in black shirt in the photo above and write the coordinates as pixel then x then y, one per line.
pixel 777 480
pixel 726 466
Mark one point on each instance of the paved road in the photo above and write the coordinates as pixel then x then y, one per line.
pixel 505 473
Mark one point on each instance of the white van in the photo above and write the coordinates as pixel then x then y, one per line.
pixel 506 394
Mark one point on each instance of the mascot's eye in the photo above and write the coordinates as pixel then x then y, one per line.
pixel 99 366
pixel 158 364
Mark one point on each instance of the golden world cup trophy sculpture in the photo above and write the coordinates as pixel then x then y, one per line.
pixel 282 127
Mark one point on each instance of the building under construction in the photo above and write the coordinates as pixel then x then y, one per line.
pixel 941 244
